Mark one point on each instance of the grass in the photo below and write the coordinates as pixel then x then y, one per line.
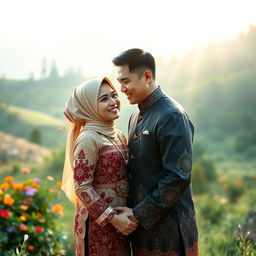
pixel 34 117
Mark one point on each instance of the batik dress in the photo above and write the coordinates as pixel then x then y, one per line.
pixel 101 184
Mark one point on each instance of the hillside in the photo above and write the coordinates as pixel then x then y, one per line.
pixel 17 149
pixel 216 84
pixel 23 123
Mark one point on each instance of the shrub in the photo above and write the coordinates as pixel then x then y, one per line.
pixel 28 208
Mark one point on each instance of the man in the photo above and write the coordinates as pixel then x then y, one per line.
pixel 160 144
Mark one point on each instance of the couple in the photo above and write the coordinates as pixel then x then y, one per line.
pixel 98 167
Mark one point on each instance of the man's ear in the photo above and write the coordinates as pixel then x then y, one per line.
pixel 148 75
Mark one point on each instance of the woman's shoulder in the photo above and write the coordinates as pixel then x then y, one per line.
pixel 88 138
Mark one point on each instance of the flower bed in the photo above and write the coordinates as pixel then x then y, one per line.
pixel 29 207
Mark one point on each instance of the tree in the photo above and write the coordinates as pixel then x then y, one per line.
pixel 35 136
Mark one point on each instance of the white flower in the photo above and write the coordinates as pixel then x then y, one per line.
pixel 25 237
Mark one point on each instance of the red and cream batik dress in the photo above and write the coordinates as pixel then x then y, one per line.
pixel 101 184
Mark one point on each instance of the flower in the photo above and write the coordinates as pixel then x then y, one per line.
pixel 23 207
pixel 223 200
pixel 38 229
pixel 23 218
pixel 57 208
pixel 36 180
pixel 41 220
pixel 225 186
pixel 25 237
pixel 9 201
pixel 39 214
pixel 30 191
pixel 25 170
pixel 50 178
pixel 17 186
pixel 58 184
pixel 10 229
pixel 31 247
pixel 8 179
pixel 23 227
pixel 1 191
pixel 4 186
pixel 35 185
pixel 4 213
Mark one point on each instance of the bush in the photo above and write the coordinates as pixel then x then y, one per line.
pixel 198 179
pixel 28 208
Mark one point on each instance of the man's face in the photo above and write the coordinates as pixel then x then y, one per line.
pixel 134 87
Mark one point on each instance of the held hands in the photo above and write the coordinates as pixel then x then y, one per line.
pixel 125 222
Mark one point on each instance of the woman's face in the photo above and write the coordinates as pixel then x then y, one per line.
pixel 108 103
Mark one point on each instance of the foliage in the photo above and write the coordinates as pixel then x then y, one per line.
pixel 35 136
pixel 28 208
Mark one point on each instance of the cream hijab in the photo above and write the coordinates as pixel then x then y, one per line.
pixel 81 110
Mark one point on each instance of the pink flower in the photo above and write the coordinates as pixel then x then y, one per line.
pixel 23 227
pixel 25 170
pixel 38 229
pixel 4 213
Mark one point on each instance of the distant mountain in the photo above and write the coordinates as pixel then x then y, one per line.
pixel 23 123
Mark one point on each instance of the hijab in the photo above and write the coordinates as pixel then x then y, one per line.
pixel 81 110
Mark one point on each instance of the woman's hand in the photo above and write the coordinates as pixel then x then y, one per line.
pixel 123 224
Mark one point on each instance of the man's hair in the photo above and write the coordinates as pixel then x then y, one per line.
pixel 137 60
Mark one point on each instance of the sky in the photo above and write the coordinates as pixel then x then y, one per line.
pixel 86 35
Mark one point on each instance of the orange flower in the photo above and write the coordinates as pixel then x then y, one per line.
pixel 9 201
pixel 25 170
pixel 25 214
pixel 239 183
pixel 9 179
pixel 17 186
pixel 57 208
pixel 59 183
pixel 5 186
pixel 35 185
pixel 31 247
pixel 41 220
pixel 1 191
pixel 39 214
pixel 24 207
pixel 225 186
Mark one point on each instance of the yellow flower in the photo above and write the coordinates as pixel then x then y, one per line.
pixel 4 186
pixel 223 178
pixel 23 218
pixel 225 186
pixel 50 178
pixel 57 208
pixel 8 179
pixel 24 207
pixel 239 183
pixel 1 191
pixel 9 201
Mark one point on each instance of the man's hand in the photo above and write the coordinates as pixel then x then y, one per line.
pixel 129 213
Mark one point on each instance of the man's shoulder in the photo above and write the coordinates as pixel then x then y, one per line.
pixel 168 106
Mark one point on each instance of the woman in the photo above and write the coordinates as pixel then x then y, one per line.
pixel 94 176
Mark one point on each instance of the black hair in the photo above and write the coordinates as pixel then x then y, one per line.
pixel 137 60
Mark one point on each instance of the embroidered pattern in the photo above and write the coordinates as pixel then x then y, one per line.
pixel 169 195
pixel 184 164
pixel 82 169
pixel 151 99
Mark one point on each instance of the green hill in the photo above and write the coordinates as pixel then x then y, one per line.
pixel 24 123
